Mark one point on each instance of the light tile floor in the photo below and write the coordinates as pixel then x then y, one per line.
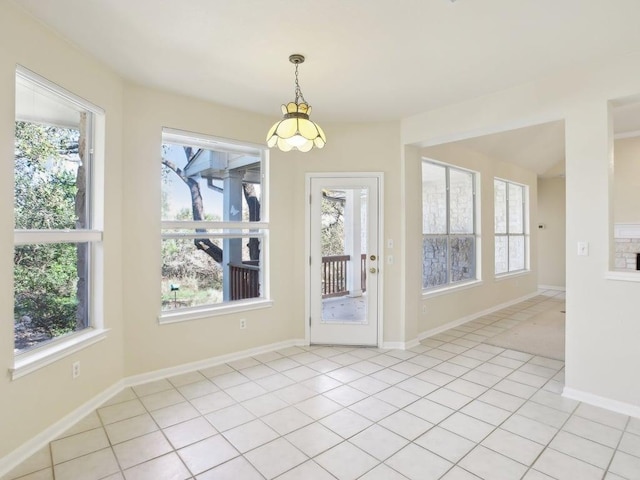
pixel 452 408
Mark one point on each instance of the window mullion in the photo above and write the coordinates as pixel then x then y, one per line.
pixel 448 208
pixel 507 226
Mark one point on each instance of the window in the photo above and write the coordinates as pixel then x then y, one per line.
pixel 448 225
pixel 510 210
pixel 57 230
pixel 214 232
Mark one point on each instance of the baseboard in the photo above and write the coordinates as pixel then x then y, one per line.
pixel 401 345
pixel 209 362
pixel 473 316
pixel 603 402
pixel 20 454
pixel 552 287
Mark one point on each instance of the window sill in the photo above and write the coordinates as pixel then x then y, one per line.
pixel 629 276
pixel 450 289
pixel 507 276
pixel 28 362
pixel 212 311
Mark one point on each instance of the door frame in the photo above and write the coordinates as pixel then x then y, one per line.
pixel 307 246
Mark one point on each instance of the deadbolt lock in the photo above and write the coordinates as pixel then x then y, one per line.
pixel 372 257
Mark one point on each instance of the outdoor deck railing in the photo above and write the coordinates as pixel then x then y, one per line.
pixel 245 281
pixel 245 278
pixel 334 275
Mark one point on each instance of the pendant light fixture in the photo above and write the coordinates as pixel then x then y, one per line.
pixel 295 131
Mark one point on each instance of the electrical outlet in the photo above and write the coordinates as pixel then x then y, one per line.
pixel 75 369
pixel 243 324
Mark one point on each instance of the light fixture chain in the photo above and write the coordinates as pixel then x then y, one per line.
pixel 299 95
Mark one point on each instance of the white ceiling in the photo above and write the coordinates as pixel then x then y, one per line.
pixel 539 148
pixel 367 60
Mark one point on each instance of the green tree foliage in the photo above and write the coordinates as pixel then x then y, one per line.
pixel 45 275
pixel 332 233
pixel 192 269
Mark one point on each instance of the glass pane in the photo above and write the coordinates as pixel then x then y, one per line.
pixel 208 271
pixel 434 199
pixel 463 264
pixel 343 247
pixel 502 254
pixel 516 253
pixel 434 261
pixel 332 231
pixel 460 201
pixel 500 206
pixel 516 212
pixel 51 292
pixel 202 184
pixel 52 138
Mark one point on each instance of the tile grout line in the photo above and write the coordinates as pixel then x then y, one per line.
pixel 389 386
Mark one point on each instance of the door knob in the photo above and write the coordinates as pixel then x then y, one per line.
pixel 372 270
pixel 372 257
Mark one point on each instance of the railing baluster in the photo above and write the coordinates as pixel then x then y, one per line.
pixel 244 281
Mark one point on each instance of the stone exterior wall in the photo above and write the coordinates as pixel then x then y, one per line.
pixel 626 250
pixel 434 247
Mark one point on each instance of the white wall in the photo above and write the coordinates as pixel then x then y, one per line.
pixel 33 402
pixel 627 180
pixel 552 238
pixel 355 147
pixel 150 346
pixel 602 325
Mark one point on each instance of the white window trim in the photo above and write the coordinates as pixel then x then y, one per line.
pixel 633 276
pixel 437 290
pixel 30 237
pixel 218 229
pixel 53 350
pixel 206 311
pixel 525 234
pixel 508 275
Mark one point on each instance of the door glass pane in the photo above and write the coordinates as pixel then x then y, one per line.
pixel 434 199
pixel 344 226
pixel 463 250
pixel 502 254
pixel 460 201
pixel 434 261
pixel 500 206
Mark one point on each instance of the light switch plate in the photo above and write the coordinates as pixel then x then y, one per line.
pixel 583 249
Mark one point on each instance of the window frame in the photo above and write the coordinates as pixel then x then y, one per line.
pixel 525 229
pixel 475 182
pixel 221 230
pixel 56 348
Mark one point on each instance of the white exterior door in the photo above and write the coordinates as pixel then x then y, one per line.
pixel 344 265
